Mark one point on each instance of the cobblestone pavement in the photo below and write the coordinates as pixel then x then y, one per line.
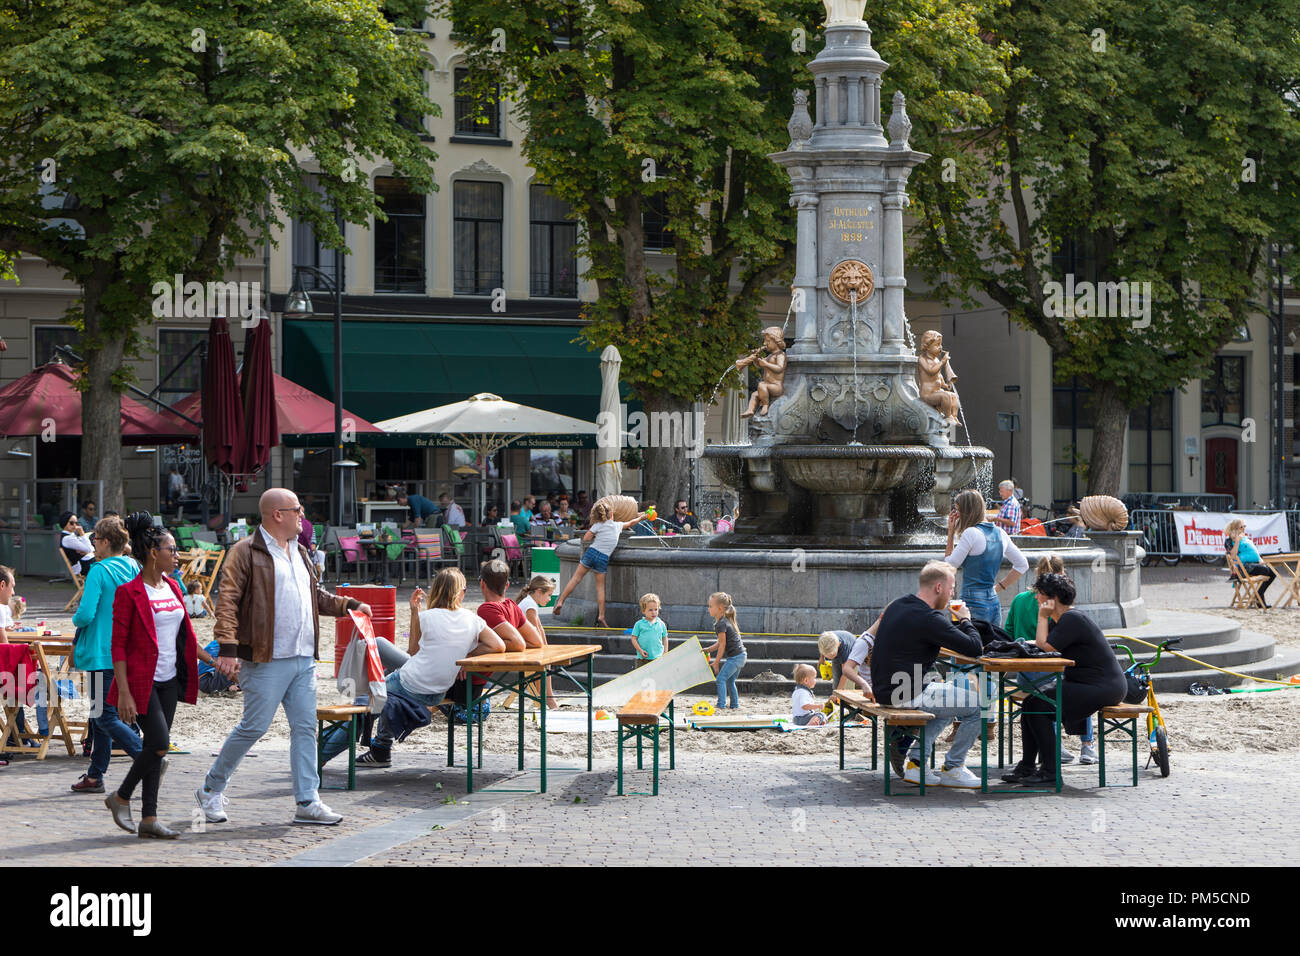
pixel 714 809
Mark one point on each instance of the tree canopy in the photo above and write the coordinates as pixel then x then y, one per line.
pixel 1153 143
pixel 166 137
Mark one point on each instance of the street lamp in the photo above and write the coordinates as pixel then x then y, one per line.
pixel 298 305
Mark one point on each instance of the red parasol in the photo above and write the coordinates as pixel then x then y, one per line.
pixel 299 411
pixel 46 400
pixel 223 414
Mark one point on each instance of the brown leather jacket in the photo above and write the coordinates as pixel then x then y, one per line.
pixel 245 625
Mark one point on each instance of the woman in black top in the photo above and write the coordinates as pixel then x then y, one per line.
pixel 1095 681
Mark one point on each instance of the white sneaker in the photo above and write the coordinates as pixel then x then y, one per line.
pixel 958 777
pixel 912 773
pixel 1088 754
pixel 213 803
pixel 1066 757
pixel 316 812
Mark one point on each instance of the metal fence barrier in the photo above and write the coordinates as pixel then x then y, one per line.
pixel 1170 499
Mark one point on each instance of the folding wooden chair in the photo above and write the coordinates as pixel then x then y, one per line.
pixel 78 582
pixel 1245 591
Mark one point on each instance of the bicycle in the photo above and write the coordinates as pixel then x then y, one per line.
pixel 1157 733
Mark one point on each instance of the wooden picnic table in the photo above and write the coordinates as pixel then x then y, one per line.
pixel 47 648
pixel 1002 666
pixel 1287 567
pixel 520 668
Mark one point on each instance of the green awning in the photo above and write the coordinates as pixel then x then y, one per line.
pixel 395 368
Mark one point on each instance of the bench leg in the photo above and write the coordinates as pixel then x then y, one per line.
pixel 352 751
pixel 873 749
pixel 639 764
pixel 672 738
pixel 1101 750
pixel 1134 733
pixel 451 741
pixel 655 787
pixel 620 761
pixel 873 746
pixel 889 742
pixel 923 746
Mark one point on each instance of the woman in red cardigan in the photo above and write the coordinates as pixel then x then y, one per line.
pixel 155 665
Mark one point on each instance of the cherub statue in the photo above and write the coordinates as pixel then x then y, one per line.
pixel 935 377
pixel 773 383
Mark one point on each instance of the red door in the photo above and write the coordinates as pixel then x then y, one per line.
pixel 1221 466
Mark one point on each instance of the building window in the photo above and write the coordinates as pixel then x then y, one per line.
pixel 654 222
pixel 553 237
pixel 478 112
pixel 1151 445
pixel 180 363
pixel 478 210
pixel 45 338
pixel 1223 393
pixel 1072 425
pixel 306 250
pixel 399 242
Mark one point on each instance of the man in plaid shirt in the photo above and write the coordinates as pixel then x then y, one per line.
pixel 1009 514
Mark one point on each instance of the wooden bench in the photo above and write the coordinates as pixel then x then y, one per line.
pixel 639 720
pixel 893 717
pixel 329 717
pixel 1122 719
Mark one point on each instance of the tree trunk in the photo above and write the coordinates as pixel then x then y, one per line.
pixel 101 402
pixel 667 469
pixel 1106 461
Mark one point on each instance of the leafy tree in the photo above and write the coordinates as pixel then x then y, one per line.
pixel 1158 143
pixel 629 107
pixel 176 130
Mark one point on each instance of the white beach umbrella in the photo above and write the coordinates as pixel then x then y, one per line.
pixel 486 423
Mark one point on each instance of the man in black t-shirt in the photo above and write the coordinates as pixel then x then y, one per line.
pixel 908 639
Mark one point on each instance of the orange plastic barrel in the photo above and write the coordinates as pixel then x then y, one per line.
pixel 383 610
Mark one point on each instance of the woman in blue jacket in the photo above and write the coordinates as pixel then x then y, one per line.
pixel 93 652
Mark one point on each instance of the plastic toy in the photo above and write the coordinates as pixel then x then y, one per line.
pixel 601 715
pixel 703 708
pixel 650 512
pixel 826 670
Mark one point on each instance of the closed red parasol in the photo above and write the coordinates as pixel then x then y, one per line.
pixel 257 391
pixel 223 413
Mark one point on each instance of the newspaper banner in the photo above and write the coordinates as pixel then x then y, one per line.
pixel 1200 532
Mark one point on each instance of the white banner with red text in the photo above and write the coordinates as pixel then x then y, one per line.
pixel 1200 532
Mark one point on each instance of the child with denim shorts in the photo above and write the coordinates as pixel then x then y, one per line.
pixel 601 540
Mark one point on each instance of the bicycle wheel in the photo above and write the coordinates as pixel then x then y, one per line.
pixel 1170 561
pixel 1214 560
pixel 1162 750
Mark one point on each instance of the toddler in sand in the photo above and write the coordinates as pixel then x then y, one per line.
pixel 804 709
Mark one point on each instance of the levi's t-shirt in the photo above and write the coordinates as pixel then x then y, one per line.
pixel 168 613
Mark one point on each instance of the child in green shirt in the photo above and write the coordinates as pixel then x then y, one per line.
pixel 649 635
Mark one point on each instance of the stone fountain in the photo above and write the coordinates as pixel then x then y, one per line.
pixel 849 455
pixel 848 470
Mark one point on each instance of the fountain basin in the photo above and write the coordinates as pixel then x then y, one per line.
pixel 797 590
